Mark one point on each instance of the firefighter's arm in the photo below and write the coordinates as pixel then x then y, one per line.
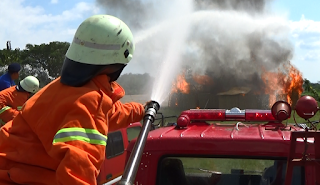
pixel 122 115
pixel 80 162
pixel 8 113
pixel 80 142
pixel 11 106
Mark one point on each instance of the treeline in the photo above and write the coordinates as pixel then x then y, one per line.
pixel 312 89
pixel 43 61
pixel 136 83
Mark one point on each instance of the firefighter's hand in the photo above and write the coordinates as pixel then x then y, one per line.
pixel 145 104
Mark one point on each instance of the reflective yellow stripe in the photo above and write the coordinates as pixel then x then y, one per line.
pixel 4 109
pixel 2 122
pixel 91 136
pixel 19 107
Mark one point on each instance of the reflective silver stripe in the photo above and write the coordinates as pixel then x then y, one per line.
pixel 95 45
pixel 4 109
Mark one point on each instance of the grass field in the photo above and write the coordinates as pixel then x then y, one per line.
pixel 224 165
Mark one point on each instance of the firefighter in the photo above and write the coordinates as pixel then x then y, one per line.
pixel 60 135
pixel 7 79
pixel 12 98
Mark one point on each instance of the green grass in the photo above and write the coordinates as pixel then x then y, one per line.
pixel 224 165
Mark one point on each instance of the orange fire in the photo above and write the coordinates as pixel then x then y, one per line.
pixel 294 85
pixel 203 79
pixel 285 83
pixel 181 85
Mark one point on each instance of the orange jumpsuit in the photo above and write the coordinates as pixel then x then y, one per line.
pixel 11 101
pixel 60 135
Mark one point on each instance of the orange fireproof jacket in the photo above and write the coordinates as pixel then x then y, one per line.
pixel 60 135
pixel 11 101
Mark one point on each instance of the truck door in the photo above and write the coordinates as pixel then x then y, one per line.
pixel 114 163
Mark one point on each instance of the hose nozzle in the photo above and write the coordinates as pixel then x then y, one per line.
pixel 133 163
pixel 151 110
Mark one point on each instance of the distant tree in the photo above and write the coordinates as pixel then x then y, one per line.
pixel 316 86
pixel 45 60
pixel 306 85
pixel 134 84
pixel 10 56
pixel 311 89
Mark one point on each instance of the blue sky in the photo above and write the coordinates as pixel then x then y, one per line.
pixel 43 21
pixel 296 8
pixel 304 16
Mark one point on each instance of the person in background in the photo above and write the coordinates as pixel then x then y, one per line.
pixel 12 98
pixel 7 79
pixel 60 135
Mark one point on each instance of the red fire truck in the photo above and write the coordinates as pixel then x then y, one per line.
pixel 114 163
pixel 256 147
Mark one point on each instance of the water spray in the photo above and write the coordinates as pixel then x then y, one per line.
pixel 133 163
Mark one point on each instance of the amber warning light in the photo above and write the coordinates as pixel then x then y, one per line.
pixel 281 111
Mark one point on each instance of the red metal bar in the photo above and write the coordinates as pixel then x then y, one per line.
pixel 292 161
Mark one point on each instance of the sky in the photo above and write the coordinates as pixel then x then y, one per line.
pixel 43 21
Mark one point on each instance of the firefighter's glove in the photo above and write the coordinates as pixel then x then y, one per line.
pixel 145 104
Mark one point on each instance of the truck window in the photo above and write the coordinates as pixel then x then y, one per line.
pixel 133 132
pixel 225 171
pixel 114 144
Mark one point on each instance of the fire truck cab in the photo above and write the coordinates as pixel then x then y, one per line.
pixel 113 166
pixel 253 147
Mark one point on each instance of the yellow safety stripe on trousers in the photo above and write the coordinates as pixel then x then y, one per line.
pixel 2 123
pixel 19 108
pixel 4 109
pixel 91 136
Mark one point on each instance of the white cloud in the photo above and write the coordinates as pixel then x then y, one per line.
pixel 36 25
pixel 54 1
pixel 306 36
pixel 305 25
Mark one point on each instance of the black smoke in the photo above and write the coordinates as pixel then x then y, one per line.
pixel 232 41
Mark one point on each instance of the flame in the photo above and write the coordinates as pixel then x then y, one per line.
pixel 286 82
pixel 180 85
pixel 294 84
pixel 203 79
pixel 198 107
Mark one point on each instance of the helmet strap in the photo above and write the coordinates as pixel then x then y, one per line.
pixel 19 88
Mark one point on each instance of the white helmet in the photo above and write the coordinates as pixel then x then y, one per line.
pixel 100 41
pixel 30 84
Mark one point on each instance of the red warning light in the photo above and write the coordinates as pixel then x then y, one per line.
pixel 224 115
pixel 259 115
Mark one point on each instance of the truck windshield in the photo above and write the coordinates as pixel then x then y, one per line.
pixel 225 171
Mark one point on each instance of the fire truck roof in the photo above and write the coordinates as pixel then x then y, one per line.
pixel 222 139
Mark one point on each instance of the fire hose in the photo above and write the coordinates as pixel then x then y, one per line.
pixel 133 163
